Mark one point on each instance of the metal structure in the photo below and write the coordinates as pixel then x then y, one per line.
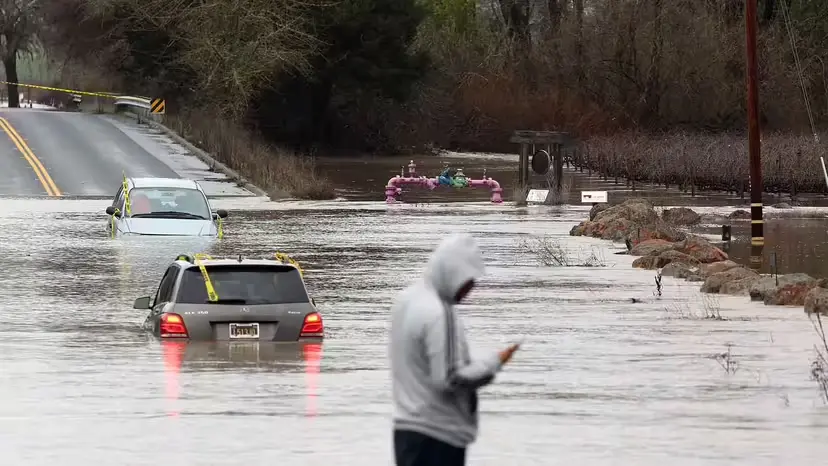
pixel 140 106
pixel 551 150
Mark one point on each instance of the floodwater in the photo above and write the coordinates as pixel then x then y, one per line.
pixel 599 380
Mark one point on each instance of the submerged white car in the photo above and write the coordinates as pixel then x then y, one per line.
pixel 162 207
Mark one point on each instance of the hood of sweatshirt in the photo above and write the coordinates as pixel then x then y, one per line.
pixel 455 261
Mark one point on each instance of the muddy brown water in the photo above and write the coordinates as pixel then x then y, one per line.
pixel 600 380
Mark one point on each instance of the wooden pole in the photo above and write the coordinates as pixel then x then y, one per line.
pixel 757 239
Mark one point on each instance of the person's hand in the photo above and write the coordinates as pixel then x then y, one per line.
pixel 506 355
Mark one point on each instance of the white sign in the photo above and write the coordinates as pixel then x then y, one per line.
pixel 593 197
pixel 537 196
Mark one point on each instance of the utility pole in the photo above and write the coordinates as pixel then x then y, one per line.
pixel 757 238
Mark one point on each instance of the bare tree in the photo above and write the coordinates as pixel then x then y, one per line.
pixel 19 25
pixel 234 47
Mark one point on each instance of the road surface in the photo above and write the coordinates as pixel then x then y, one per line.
pixel 60 154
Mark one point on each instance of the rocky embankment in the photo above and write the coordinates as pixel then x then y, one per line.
pixel 660 243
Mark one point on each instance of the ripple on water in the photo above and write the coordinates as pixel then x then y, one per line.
pixel 599 380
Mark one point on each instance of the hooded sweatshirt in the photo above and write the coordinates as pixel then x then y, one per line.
pixel 434 378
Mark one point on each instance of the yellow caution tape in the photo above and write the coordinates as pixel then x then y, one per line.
pixel 71 91
pixel 126 196
pixel 211 292
pixel 282 257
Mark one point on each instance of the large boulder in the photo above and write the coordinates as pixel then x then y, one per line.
pixel 633 219
pixel 701 249
pixel 679 270
pixel 714 283
pixel 651 247
pixel 681 216
pixel 789 288
pixel 716 267
pixel 596 209
pixel 816 301
pixel 640 211
pixel 740 287
pixel 667 257
pixel 739 214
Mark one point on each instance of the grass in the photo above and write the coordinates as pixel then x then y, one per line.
pixel 280 173
pixel 819 365
pixel 726 360
pixel 708 309
pixel 550 253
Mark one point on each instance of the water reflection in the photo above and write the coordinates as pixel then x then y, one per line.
pixel 236 357
pixel 801 245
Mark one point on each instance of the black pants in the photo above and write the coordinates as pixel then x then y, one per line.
pixel 415 449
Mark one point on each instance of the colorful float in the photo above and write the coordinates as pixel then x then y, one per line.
pixel 450 177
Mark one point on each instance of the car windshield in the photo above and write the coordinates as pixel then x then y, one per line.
pixel 244 284
pixel 168 203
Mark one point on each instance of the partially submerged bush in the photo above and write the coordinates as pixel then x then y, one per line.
pixel 693 161
pixel 819 365
pixel 273 169
pixel 550 253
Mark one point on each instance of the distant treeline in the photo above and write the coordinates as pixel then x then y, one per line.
pixel 459 74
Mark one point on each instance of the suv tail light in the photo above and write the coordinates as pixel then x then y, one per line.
pixel 313 326
pixel 172 326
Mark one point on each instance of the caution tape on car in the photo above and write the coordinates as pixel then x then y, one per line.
pixel 282 257
pixel 211 292
pixel 126 195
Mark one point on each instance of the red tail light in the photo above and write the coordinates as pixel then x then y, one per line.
pixel 313 326
pixel 172 326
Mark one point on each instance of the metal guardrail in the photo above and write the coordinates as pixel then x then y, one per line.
pixel 140 106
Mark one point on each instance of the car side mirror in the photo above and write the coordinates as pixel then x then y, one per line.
pixel 142 303
pixel 112 210
pixel 221 213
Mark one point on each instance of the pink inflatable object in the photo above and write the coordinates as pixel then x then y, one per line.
pixel 394 186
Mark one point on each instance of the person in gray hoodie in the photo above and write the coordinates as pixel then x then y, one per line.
pixel 434 377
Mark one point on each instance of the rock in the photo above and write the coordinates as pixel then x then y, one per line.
pixel 651 247
pixel 653 262
pixel 766 288
pixel 679 270
pixel 713 283
pixel 649 262
pixel 740 214
pixel 701 249
pixel 596 209
pixel 676 256
pixel 640 211
pixel 615 229
pixel 816 301
pixel 792 294
pixel 681 216
pixel 658 230
pixel 739 287
pixel 716 267
pixel 635 219
pixel 782 205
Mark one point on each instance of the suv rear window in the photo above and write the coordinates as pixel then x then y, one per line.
pixel 250 284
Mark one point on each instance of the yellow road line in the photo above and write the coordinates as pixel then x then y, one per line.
pixel 39 169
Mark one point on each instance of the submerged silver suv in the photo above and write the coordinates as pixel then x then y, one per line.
pixel 201 298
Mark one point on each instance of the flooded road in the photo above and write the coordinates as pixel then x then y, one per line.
pixel 599 380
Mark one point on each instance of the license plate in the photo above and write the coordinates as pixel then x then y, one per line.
pixel 244 331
